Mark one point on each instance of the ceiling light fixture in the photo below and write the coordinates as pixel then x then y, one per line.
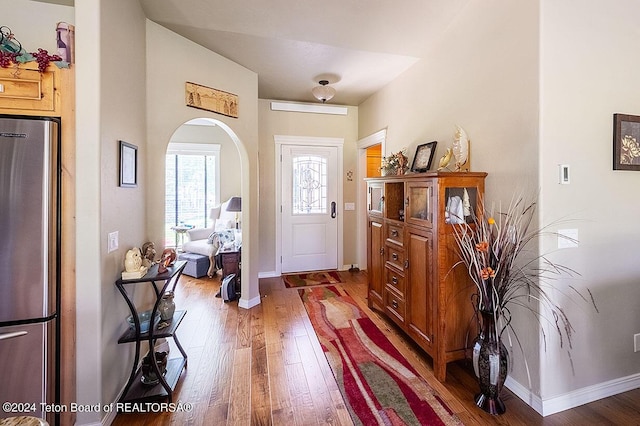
pixel 323 92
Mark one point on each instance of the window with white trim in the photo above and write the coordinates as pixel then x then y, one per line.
pixel 192 186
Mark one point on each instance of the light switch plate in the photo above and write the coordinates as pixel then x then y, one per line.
pixel 567 238
pixel 564 178
pixel 349 206
pixel 112 243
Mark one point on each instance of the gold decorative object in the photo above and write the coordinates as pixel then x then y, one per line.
pixel 446 158
pixel 209 99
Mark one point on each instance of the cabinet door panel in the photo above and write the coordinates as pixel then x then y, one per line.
pixel 375 258
pixel 419 204
pixel 27 90
pixel 420 287
pixel 375 198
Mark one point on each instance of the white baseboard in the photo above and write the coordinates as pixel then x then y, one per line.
pixel 523 392
pixel 347 267
pixel 249 303
pixel 575 398
pixel 269 274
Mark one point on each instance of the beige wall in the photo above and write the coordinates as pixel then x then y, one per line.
pixel 589 73
pixel 166 112
pixel 110 107
pixel 303 124
pixel 122 117
pixel 487 83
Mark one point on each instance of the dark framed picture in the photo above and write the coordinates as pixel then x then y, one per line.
pixel 128 165
pixel 626 142
pixel 424 156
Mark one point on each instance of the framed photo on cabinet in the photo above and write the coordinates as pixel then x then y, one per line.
pixel 626 142
pixel 424 156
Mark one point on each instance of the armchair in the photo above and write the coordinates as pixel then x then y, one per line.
pixel 207 241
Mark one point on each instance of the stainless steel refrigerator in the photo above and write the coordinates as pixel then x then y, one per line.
pixel 29 265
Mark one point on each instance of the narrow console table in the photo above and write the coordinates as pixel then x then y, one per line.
pixel 135 390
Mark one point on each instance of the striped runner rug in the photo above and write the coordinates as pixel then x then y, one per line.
pixel 377 383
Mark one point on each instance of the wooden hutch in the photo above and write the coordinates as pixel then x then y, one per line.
pixel 411 254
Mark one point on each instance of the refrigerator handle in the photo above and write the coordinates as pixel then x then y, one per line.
pixel 6 336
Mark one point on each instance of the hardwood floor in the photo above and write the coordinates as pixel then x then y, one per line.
pixel 264 366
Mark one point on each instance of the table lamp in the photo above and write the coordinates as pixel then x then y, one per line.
pixel 235 205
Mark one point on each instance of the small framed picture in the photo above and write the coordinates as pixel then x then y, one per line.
pixel 128 165
pixel 424 156
pixel 626 142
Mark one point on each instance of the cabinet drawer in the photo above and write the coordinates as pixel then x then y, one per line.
pixel 395 280
pixel 395 256
pixel 395 234
pixel 27 89
pixel 394 305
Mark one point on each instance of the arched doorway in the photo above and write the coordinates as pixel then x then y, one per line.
pixel 202 170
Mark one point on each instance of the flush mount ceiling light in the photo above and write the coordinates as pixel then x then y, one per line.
pixel 323 92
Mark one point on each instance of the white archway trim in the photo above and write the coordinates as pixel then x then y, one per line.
pixel 379 137
pixel 250 294
pixel 309 141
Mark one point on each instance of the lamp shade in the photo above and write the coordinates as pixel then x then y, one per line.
pixel 235 204
pixel 323 92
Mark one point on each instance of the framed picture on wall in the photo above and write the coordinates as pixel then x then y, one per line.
pixel 626 142
pixel 424 156
pixel 128 165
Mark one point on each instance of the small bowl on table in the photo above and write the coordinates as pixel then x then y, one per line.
pixel 145 321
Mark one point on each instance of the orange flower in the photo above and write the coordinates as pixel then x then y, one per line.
pixel 487 272
pixel 491 221
pixel 482 246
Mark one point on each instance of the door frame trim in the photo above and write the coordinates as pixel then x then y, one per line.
pixel 379 137
pixel 306 141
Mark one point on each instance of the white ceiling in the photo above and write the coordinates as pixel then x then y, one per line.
pixel 358 45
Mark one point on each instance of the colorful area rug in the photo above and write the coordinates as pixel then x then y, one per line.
pixel 312 278
pixel 379 386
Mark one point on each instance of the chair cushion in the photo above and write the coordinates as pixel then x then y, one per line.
pixel 199 233
pixel 200 247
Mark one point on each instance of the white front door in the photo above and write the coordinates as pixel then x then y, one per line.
pixel 309 208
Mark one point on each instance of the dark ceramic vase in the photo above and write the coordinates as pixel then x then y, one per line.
pixel 149 375
pixel 490 363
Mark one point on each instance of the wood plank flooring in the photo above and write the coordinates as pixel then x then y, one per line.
pixel 264 366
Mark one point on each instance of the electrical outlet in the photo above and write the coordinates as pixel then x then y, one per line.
pixel 636 342
pixel 112 243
